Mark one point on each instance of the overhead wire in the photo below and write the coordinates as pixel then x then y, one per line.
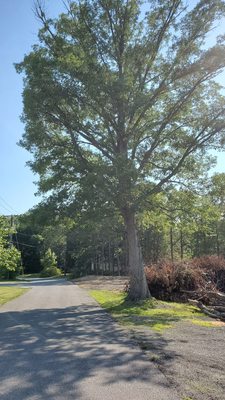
pixel 8 205
pixel 24 244
pixel 24 234
pixel 5 208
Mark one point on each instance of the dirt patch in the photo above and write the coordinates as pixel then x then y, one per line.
pixel 218 323
pixel 192 357
pixel 115 283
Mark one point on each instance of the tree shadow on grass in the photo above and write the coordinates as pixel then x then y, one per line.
pixel 59 353
pixel 150 313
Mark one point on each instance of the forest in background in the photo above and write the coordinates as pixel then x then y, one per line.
pixel 179 224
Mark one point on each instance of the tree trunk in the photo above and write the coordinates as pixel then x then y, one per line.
pixel 118 265
pixel 181 245
pixel 138 284
pixel 171 244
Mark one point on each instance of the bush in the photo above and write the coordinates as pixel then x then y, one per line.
pixel 50 271
pixel 49 264
pixel 10 262
pixel 171 280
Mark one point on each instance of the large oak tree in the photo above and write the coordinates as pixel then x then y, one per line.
pixel 120 99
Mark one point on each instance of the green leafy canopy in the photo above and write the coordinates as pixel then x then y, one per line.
pixel 120 100
pixel 9 255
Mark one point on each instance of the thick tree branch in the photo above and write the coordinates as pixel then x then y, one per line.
pixel 174 110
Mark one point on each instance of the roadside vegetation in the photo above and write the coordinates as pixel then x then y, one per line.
pixel 49 265
pixel 36 276
pixel 29 276
pixel 10 257
pixel 13 261
pixel 156 314
pixel 10 293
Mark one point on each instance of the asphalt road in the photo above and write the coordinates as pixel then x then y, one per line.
pixel 56 343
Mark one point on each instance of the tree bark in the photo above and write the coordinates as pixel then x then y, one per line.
pixel 138 284
pixel 171 243
pixel 181 245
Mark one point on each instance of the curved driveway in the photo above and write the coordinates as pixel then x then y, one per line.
pixel 56 343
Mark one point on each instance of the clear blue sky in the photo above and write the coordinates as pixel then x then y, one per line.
pixel 18 32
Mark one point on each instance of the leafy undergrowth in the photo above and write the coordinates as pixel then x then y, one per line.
pixel 155 314
pixel 10 293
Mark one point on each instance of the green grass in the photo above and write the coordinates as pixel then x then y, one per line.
pixel 156 314
pixel 187 398
pixel 10 293
pixel 24 276
pixel 38 275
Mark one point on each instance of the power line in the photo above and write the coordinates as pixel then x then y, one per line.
pixel 2 206
pixel 12 224
pixel 25 234
pixel 10 209
pixel 8 205
pixel 24 244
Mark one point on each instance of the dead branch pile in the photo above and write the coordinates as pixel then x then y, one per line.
pixel 211 303
pixel 200 281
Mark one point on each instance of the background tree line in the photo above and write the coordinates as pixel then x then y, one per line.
pixel 179 224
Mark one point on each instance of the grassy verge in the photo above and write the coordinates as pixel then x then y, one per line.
pixel 155 314
pixel 33 276
pixel 10 293
pixel 30 276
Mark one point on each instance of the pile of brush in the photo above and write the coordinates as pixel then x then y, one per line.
pixel 200 281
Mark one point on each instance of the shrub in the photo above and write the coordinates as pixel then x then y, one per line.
pixel 10 262
pixel 49 264
pixel 51 271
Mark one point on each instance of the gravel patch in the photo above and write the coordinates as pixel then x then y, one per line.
pixel 115 283
pixel 191 357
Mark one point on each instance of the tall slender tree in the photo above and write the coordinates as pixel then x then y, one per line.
pixel 119 99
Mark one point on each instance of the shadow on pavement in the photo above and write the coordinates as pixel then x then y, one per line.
pixel 53 351
pixel 35 282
